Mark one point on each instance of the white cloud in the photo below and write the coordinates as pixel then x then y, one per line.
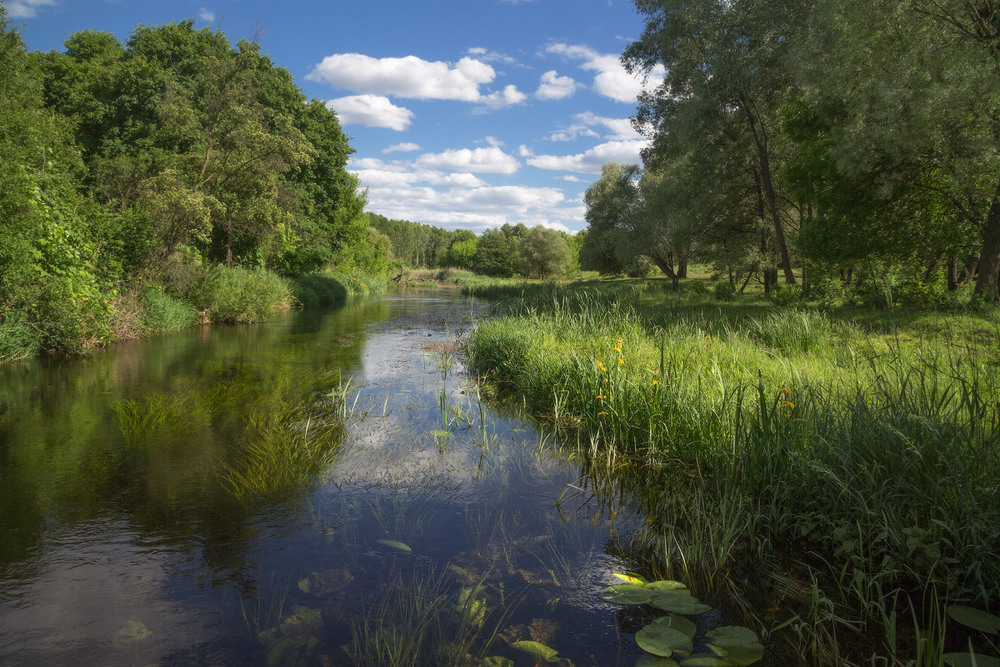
pixel 590 161
pixel 483 160
pixel 569 178
pixel 525 151
pixel 26 9
pixel 405 147
pixel 616 128
pixel 491 56
pixel 509 96
pixel 206 15
pixel 555 87
pixel 409 77
pixel 611 79
pixel 371 111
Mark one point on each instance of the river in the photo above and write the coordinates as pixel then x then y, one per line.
pixel 325 488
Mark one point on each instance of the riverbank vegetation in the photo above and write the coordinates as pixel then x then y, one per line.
pixel 846 465
pixel 167 180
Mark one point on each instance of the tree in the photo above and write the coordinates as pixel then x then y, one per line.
pixel 726 59
pixel 544 253
pixel 498 252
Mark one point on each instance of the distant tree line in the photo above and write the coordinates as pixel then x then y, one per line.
pixel 802 141
pixel 502 252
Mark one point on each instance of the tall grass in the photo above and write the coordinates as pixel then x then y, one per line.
pixel 17 340
pixel 329 287
pixel 242 295
pixel 879 456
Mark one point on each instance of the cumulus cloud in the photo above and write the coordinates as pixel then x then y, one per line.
pixel 507 97
pixel 586 122
pixel 26 9
pixel 414 78
pixel 490 160
pixel 611 80
pixel 590 161
pixel 371 111
pixel 555 87
pixel 206 15
pixel 491 56
pixel 405 147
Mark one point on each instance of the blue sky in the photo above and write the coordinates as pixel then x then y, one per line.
pixel 464 113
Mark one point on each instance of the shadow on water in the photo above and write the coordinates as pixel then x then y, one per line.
pixel 323 489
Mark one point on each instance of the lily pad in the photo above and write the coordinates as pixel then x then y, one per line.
pixel 738 645
pixel 666 585
pixel 655 661
pixel 131 632
pixel 663 640
pixel 705 660
pixel 536 649
pixel 974 618
pixel 627 594
pixel 965 660
pixel 677 622
pixel 398 546
pixel 678 602
pixel 630 578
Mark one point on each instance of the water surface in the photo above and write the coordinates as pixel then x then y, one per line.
pixel 323 489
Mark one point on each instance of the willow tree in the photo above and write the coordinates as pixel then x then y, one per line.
pixel 729 58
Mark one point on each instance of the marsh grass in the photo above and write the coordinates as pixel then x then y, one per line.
pixel 18 340
pixel 875 454
pixel 286 449
pixel 157 418
pixel 428 620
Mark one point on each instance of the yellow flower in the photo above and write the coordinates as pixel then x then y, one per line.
pixel 656 383
pixel 602 413
pixel 620 361
pixel 788 404
pixel 600 364
pixel 601 397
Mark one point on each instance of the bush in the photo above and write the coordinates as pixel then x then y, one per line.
pixel 167 313
pixel 243 295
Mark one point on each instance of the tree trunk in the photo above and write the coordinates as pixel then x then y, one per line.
pixel 989 256
pixel 682 269
pixel 772 199
pixel 667 268
pixel 952 273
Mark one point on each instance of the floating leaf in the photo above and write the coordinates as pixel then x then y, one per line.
pixel 132 631
pixel 663 640
pixel 965 660
pixel 678 602
pixel 678 622
pixel 627 594
pixel 538 650
pixel 738 645
pixel 666 585
pixel 630 578
pixel 440 434
pixel 655 661
pixel 974 618
pixel 705 660
pixel 398 546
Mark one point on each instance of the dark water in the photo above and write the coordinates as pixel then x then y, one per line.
pixel 322 489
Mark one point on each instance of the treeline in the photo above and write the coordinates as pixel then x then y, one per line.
pixel 504 252
pixel 825 144
pixel 130 172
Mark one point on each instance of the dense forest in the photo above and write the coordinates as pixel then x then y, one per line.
pixel 821 144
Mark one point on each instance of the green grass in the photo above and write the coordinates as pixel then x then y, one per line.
pixel 243 295
pixel 328 288
pixel 871 445
pixel 17 340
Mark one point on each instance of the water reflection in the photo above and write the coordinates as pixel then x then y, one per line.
pixel 325 489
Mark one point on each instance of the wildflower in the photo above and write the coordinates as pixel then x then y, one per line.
pixel 621 361
pixel 656 383
pixel 600 364
pixel 601 397
pixel 602 413
pixel 788 404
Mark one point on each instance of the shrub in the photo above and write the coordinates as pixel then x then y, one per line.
pixel 242 295
pixel 17 340
pixel 167 313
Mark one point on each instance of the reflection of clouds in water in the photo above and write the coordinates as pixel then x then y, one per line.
pixel 98 575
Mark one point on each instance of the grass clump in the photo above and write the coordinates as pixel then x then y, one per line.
pixel 329 287
pixel 236 294
pixel 165 312
pixel 786 435
pixel 17 340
